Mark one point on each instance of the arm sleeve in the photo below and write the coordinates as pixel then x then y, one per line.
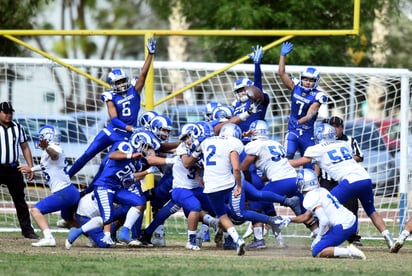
pixel 118 123
pixel 257 77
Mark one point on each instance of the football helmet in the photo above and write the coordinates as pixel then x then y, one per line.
pixel 161 126
pixel 209 109
pixel 49 133
pixel 310 73
pixel 206 128
pixel 241 83
pixel 191 130
pixel 222 113
pixel 260 129
pixel 325 132
pixel 141 141
pixel 231 130
pixel 307 180
pixel 146 118
pixel 118 80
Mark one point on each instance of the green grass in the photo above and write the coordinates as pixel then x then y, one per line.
pixel 17 257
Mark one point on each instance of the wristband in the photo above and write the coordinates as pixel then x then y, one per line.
pixel 169 161
pixel 129 155
pixel 196 154
pixel 244 115
pixel 35 168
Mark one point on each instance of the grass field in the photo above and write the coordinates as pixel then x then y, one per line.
pixel 17 257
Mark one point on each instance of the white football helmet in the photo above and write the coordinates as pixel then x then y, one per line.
pixel 325 132
pixel 260 129
pixel 146 118
pixel 241 83
pixel 231 130
pixel 49 133
pixel 161 126
pixel 118 80
pixel 310 73
pixel 307 180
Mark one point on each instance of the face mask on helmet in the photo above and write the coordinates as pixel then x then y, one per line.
pixel 118 80
pixel 239 89
pixel 146 118
pixel 325 132
pixel 161 126
pixel 307 180
pixel 231 130
pixel 209 109
pixel 222 113
pixel 48 133
pixel 260 129
pixel 311 74
pixel 189 132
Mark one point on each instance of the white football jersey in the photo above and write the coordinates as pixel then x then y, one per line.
pixel 335 158
pixel 182 177
pixel 271 159
pixel 334 210
pixel 216 151
pixel 88 206
pixel 54 171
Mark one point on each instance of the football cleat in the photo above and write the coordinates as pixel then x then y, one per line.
pixel 356 253
pixel 240 247
pixel 389 240
pixel 51 242
pixel 256 244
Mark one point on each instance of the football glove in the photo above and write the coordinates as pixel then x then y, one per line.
pixel 151 46
pixel 287 47
pixel 257 54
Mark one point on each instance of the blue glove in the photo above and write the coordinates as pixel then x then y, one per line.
pixel 287 47
pixel 294 122
pixel 257 54
pixel 151 46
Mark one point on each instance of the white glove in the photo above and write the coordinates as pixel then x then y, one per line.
pixel 284 223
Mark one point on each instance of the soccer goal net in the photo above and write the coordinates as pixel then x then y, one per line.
pixel 369 100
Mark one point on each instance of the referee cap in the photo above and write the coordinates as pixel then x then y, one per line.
pixel 6 107
pixel 335 120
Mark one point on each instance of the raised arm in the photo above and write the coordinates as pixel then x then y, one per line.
pixel 287 47
pixel 151 48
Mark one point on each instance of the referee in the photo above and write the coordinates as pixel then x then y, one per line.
pixel 328 183
pixel 12 136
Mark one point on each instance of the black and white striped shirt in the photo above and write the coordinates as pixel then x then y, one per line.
pixel 10 140
pixel 355 151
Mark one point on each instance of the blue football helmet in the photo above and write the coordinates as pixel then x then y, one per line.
pixel 310 73
pixel 191 130
pixel 161 126
pixel 222 113
pixel 307 180
pixel 231 130
pixel 146 118
pixel 118 80
pixel 260 129
pixel 206 128
pixel 141 141
pixel 49 133
pixel 209 109
pixel 325 132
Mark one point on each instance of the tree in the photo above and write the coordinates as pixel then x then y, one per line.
pixel 281 15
